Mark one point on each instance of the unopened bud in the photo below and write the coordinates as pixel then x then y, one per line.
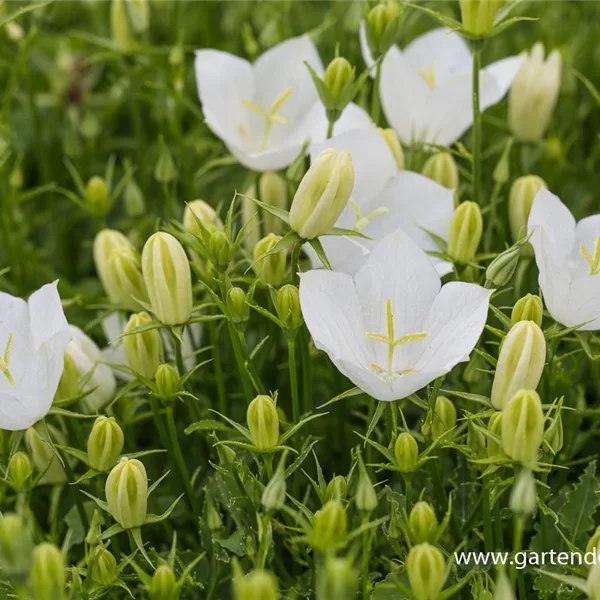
pixel 43 457
pixel 263 422
pixel 163 584
pixel 503 267
pixel 406 451
pixel 393 142
pixel 127 493
pixel 520 364
pixel 239 310
pixel 339 77
pixel 167 381
pixel 168 279
pixel 127 281
pixel 494 447
pixel 504 589
pixel 105 571
pixel 257 585
pixel 213 517
pixel 337 580
pixel 198 214
pixel 95 531
pixel 16 546
pixel 133 199
pixel 592 545
pixel 96 194
pixel 523 426
pixel 104 444
pixel 139 15
pixel 322 194
pixel 554 435
pixel 107 243
pixel 165 170
pixel 466 228
pixel 330 526
pixel 219 249
pixel 288 307
pixel 423 523
pixel 337 488
pixel 478 15
pixel 382 25
pixel 442 421
pixel 520 199
pixel 442 168
pixel 143 349
pixel 270 269
pixel 272 190
pixel 273 497
pixel 528 308
pixel 48 573
pixel 366 495
pixel 593 582
pixel 426 568
pixel 523 497
pixel 20 471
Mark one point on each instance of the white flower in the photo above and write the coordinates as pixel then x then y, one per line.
pixel 93 374
pixel 392 328
pixel 33 337
pixel 382 201
pixel 568 258
pixel 426 88
pixel 264 112
pixel 534 93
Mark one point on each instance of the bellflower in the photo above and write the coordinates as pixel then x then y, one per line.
pixel 426 89
pixel 33 338
pixel 568 258
pixel 264 112
pixel 392 328
pixel 383 200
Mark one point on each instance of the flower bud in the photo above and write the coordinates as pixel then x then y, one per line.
pixel 139 15
pixel 592 545
pixel 213 517
pixel 273 497
pixel 257 585
pixel 478 15
pixel 168 279
pixel 381 25
pixel 593 582
pixel 523 497
pixel 20 471
pixel 393 142
pixel 165 170
pixel 528 308
pixel 442 421
pixel 219 249
pixel 534 93
pixel 476 440
pixel 288 307
pixel 127 493
pixel 95 531
pixel 494 448
pixel 126 279
pixel 121 33
pixel 144 349
pixel 520 199
pixel 423 522
pixel 554 435
pixel 167 381
pixel 322 194
pixel 48 573
pixel 105 571
pixel 406 451
pixel 426 568
pixel 442 168
pixel 523 426
pixel 263 422
pixel 133 199
pixel 163 584
pixel 396 525
pixel 96 194
pixel 106 243
pixel 43 457
pixel 366 495
pixel 339 77
pixel 104 444
pixel 503 267
pixel 270 270
pixel 330 526
pixel 504 589
pixel 198 214
pixel 16 546
pixel 520 364
pixel 68 386
pixel 337 489
pixel 337 580
pixel 272 190
pixel 466 228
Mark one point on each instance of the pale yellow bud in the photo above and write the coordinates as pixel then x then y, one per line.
pixel 523 426
pixel 520 200
pixel 466 229
pixel 144 349
pixel 442 168
pixel 127 493
pixel 478 15
pixel 199 211
pixel 393 142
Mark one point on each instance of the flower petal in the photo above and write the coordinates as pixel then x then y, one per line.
pixel 364 48
pixel 46 314
pixel 353 117
pixel 551 215
pixel 583 304
pixel 503 72
pixel 272 159
pixel 14 325
pixel 13 415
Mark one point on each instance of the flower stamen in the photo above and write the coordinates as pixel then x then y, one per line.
pixel 362 222
pixel 5 361
pixel 271 116
pixel 428 74
pixel 593 260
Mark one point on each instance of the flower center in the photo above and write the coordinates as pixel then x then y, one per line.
pixel 388 373
pixel 362 222
pixel 593 260
pixel 270 116
pixel 428 74
pixel 5 360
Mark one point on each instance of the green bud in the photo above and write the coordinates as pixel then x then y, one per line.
pixel 554 435
pixel 257 585
pixel 426 568
pixel 121 33
pixel 366 495
pixel 168 279
pixel 504 589
pixel 503 267
pixel 139 15
pixel 396 525
pixel 107 243
pixel 322 194
pixel 213 518
pixel 167 381
pixel 48 573
pixel 288 307
pixel 337 488
pixel 15 179
pixel 422 522
pixel 239 310
pixel 478 15
pixel 520 364
pixel 523 497
pixel 593 582
pixel 126 279
pixel 494 448
pixel 68 386
pixel 227 455
pixel 219 249
pixel 466 228
pixel 406 451
pixel 442 168
pixel 330 526
pixel 16 546
pixel 144 349
pixel 263 422
pixel 382 25
pixel 43 457
pixel 528 308
pixel 127 493
pixel 133 198
pixel 520 199
pixel 95 531
pixel 523 426
pixel 96 194
pixel 339 77
pixel 443 420
pixel 165 170
pixel 270 270
pixel 592 545
pixel 502 169
pixel 273 497
pixel 476 440
pixel 198 214
pixel 393 142
pixel 337 580
pixel 104 444
pixel 272 190
pixel 20 471
pixel 105 571
pixel 163 584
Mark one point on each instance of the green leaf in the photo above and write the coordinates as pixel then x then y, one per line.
pixel 355 391
pixel 320 251
pixel 206 425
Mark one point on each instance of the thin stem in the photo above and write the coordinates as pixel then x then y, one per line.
pixel 375 105
pixel 488 535
pixel 294 379
pixel 519 527
pixel 366 555
pixel 476 150
pixel 408 492
pixel 254 375
pixel 295 262
pixel 218 366
pixel 307 400
pixel 330 129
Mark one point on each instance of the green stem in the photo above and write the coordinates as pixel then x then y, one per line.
pixel 239 359
pixel 296 262
pixel 366 555
pixel 519 527
pixel 307 400
pixel 254 375
pixel 488 535
pixel 218 366
pixel 476 150
pixel 375 105
pixel 408 492
pixel 330 129
pixel 293 379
